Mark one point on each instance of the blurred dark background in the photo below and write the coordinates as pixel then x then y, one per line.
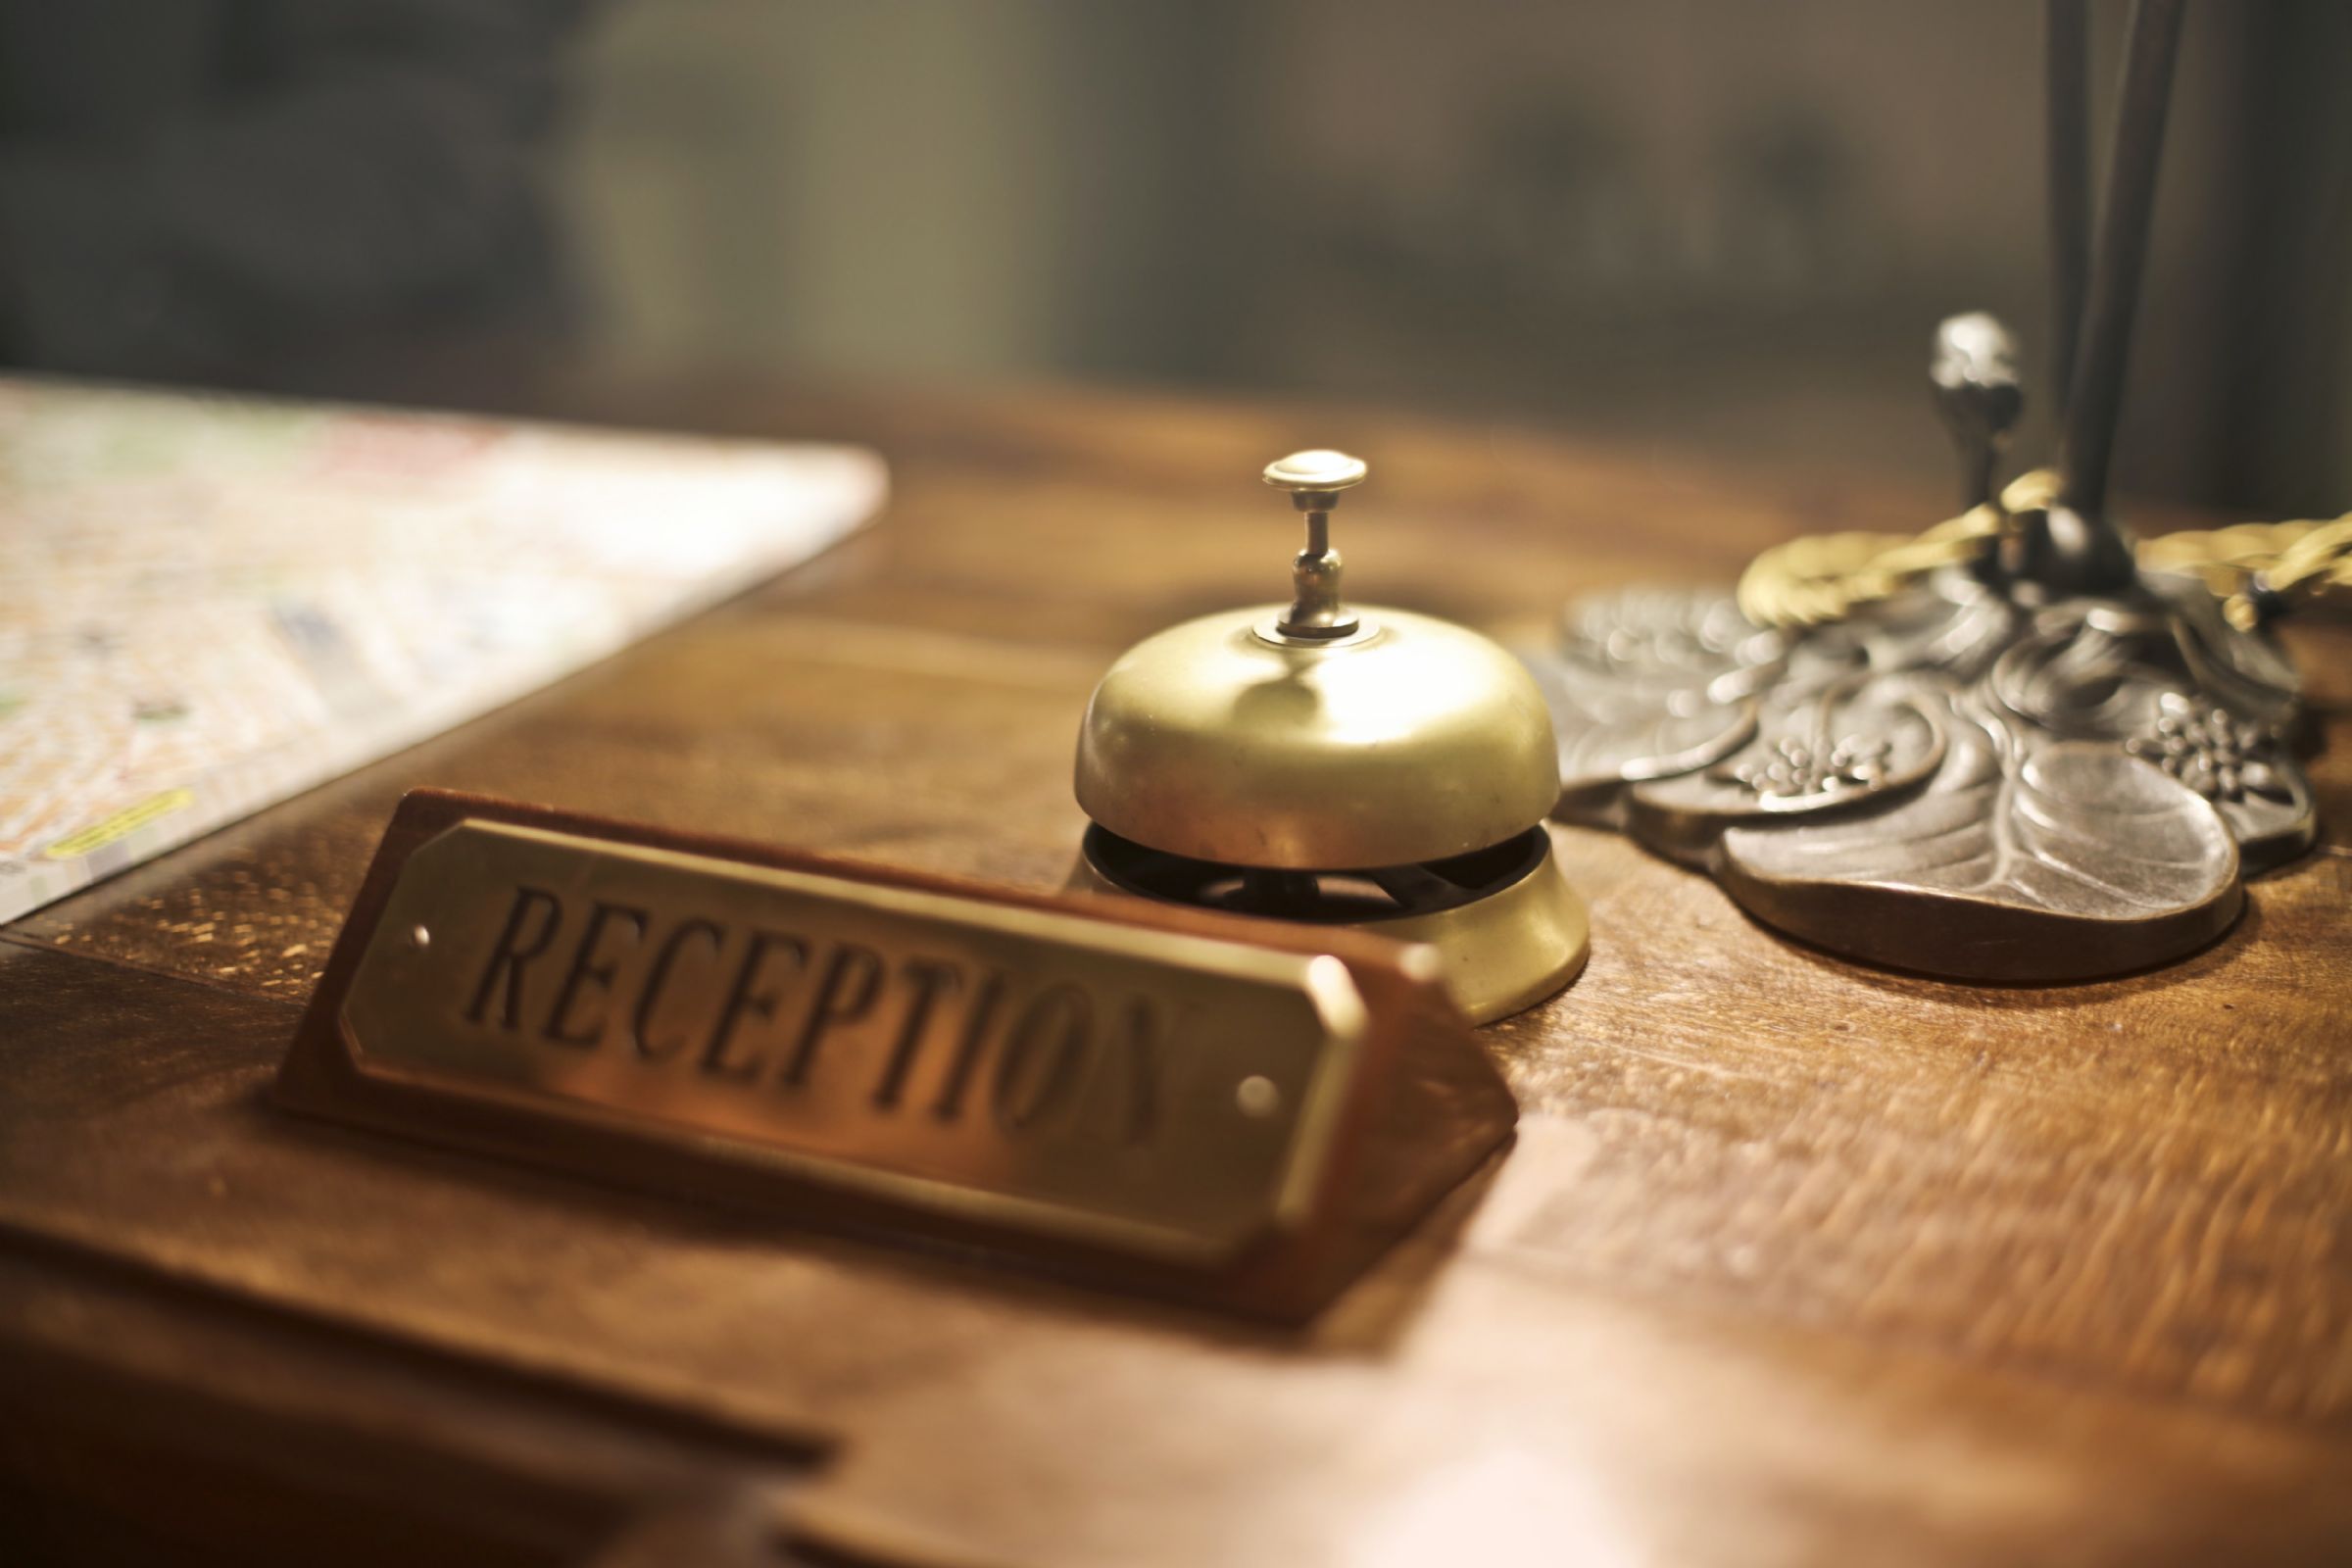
pixel 1687 225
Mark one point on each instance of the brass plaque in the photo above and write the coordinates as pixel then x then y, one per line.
pixel 1167 1097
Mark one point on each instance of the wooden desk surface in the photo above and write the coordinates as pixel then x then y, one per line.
pixel 1793 1260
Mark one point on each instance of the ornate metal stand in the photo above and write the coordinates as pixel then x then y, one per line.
pixel 2040 761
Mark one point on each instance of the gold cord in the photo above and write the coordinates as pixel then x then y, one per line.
pixel 1827 576
pixel 2244 563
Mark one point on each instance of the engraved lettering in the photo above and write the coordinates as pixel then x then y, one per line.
pixel 848 1047
pixel 928 978
pixel 1145 1032
pixel 742 998
pixel 504 973
pixel 1043 1055
pixel 665 957
pixel 846 993
pixel 584 972
pixel 949 1103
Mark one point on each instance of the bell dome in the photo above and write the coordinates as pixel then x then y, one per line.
pixel 1408 739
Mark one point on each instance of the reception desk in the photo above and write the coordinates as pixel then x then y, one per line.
pixel 1791 1259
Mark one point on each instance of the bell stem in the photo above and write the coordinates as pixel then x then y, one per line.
pixel 1315 609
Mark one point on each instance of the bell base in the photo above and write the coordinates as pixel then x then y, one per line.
pixel 1517 941
pixel 1510 950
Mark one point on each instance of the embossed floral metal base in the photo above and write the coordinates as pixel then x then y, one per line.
pixel 1974 780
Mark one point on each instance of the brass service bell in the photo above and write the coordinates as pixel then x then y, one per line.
pixel 1338 765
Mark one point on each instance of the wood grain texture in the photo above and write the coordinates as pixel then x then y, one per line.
pixel 1794 1259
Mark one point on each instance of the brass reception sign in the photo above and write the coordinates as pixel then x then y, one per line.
pixel 1157 1093
pixel 849 1044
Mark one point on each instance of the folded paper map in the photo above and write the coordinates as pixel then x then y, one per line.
pixel 210 604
